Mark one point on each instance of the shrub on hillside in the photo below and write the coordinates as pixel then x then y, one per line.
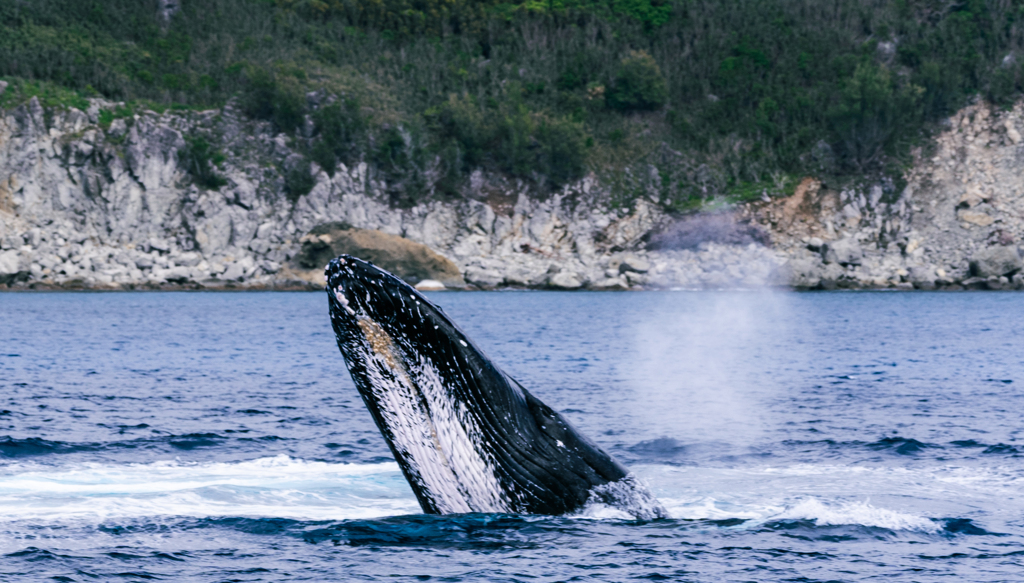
pixel 270 97
pixel 562 149
pixel 200 160
pixel 401 158
pixel 298 179
pixel 341 132
pixel 639 84
pixel 872 109
pixel 462 124
pixel 512 139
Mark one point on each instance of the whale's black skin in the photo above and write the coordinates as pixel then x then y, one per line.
pixel 467 437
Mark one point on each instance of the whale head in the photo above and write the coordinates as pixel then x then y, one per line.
pixel 467 437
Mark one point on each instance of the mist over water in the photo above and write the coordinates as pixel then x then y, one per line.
pixel 701 364
pixel 831 436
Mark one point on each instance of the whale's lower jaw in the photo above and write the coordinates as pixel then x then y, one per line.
pixel 467 437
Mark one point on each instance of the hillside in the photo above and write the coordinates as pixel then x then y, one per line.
pixel 688 103
pixel 595 145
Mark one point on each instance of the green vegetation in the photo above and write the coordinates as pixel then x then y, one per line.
pixel 201 160
pixel 639 84
pixel 692 99
pixel 508 137
pixel 298 181
pixel 50 94
pixel 341 134
pixel 107 116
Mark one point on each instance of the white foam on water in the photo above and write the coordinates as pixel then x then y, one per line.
pixel 712 508
pixel 855 513
pixel 597 511
pixel 277 487
pixel 895 498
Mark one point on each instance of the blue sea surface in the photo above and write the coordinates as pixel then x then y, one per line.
pixel 793 437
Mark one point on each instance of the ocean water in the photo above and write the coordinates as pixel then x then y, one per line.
pixel 793 437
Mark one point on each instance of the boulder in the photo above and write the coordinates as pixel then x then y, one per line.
pixel 844 252
pixel 610 284
pixel 975 283
pixel 11 267
pixel 976 218
pixel 1017 281
pixel 565 280
pixel 997 283
pixel 239 270
pixel 809 274
pixel 409 260
pixel 801 273
pixel 522 276
pixel 189 259
pixel 635 278
pixel 922 277
pixel 631 262
pixel 484 277
pixel 996 261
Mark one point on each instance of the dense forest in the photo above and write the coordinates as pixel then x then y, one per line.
pixel 697 100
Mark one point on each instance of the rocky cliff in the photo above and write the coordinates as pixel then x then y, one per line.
pixel 91 200
pixel 957 222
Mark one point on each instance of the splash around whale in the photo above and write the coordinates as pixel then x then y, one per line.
pixel 467 436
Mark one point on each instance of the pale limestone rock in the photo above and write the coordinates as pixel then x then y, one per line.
pixel 845 251
pixel 632 262
pixel 565 280
pixel 996 262
pixel 1012 133
pixel 10 263
pixel 617 283
pixel 483 276
pixel 976 218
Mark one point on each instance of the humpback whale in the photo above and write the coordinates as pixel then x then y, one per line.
pixel 467 437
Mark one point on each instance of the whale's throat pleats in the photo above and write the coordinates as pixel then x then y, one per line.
pixel 439 443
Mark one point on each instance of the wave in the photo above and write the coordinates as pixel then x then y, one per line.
pixel 902 446
pixel 282 488
pixel 277 486
pixel 467 531
pixel 854 513
pixel 663 450
pixel 36 446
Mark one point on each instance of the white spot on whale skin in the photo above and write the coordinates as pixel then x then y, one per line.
pixel 463 342
pixel 338 295
pixel 559 442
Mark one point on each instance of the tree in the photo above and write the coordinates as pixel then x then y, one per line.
pixel 639 84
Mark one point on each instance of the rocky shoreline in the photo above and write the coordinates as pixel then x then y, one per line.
pixel 90 205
